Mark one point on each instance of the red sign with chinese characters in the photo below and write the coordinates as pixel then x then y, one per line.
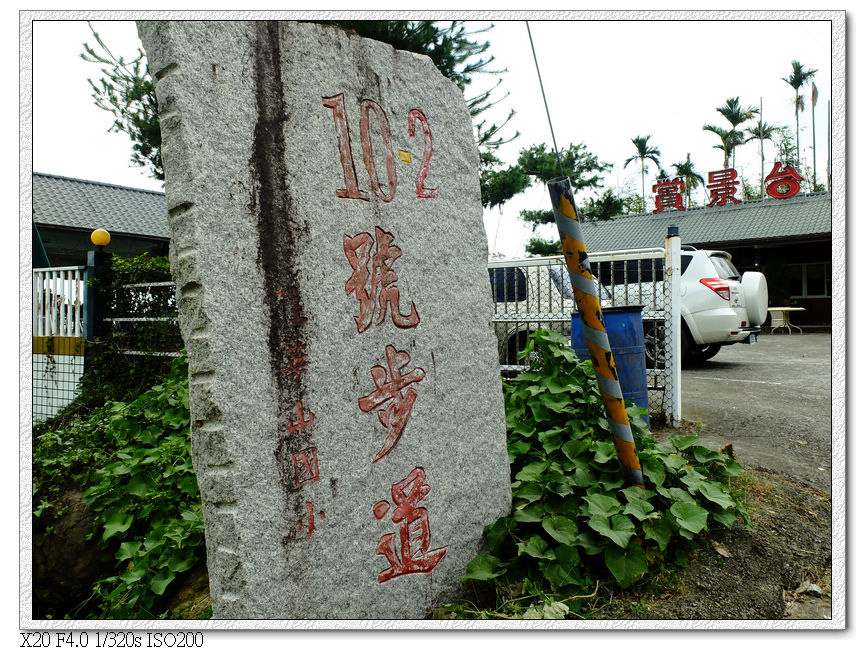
pixel 669 194
pixel 779 178
pixel 722 186
pixel 781 183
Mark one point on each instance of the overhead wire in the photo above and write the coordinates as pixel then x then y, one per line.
pixel 546 106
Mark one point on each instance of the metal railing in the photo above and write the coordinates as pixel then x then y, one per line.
pixel 534 293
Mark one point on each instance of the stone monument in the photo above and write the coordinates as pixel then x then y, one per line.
pixel 327 242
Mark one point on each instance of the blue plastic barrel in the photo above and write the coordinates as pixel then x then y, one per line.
pixel 624 327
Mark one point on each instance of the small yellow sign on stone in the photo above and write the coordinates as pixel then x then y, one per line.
pixel 405 156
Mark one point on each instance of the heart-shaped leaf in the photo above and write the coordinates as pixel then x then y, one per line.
pixel 161 580
pixel 119 523
pixel 704 455
pixel 627 564
pixel 690 516
pixel 658 529
pixel 639 509
pixel 483 567
pixel 717 493
pixel 560 529
pixel 537 547
pixel 683 442
pixel 603 505
pixel 619 528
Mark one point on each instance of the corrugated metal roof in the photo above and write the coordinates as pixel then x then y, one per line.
pixel 800 216
pixel 86 205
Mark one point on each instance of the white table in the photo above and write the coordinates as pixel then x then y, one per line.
pixel 781 318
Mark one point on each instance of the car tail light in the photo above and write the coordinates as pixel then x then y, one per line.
pixel 718 286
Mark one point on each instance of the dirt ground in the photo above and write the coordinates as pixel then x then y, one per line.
pixel 772 402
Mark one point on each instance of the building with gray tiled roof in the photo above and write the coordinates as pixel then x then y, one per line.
pixel 789 240
pixel 804 217
pixel 67 210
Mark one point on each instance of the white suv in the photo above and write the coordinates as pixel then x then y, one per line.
pixel 719 305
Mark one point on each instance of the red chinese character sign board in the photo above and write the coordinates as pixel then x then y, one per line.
pixel 781 183
pixel 330 258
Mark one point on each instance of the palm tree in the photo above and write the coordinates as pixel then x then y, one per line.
pixel 685 171
pixel 730 139
pixel 644 153
pixel 736 115
pixel 761 131
pixel 798 78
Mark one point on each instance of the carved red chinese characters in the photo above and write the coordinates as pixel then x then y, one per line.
pixel 395 393
pixel 310 519
pixel 410 552
pixel 301 423
pixel 295 360
pixel 376 288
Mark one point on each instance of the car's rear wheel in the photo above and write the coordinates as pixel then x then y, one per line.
pixel 705 352
pixel 654 337
pixel 515 344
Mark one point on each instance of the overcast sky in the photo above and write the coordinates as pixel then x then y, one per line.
pixel 605 81
pixel 609 81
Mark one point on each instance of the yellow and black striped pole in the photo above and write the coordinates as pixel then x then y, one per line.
pixel 589 307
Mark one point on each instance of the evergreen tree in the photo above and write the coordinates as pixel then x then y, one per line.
pixel 538 164
pixel 604 207
pixel 127 92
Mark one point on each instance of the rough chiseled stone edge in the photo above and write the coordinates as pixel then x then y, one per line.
pixel 210 449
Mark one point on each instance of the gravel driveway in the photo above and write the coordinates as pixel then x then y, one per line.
pixel 771 400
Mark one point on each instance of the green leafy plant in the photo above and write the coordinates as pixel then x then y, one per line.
pixel 574 521
pixel 145 498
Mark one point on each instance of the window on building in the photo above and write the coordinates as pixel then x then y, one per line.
pixel 812 280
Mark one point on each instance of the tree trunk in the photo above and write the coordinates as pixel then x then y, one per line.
pixel 762 169
pixel 643 177
pixel 814 148
pixel 796 110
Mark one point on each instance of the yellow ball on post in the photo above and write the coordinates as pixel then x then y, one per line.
pixel 100 237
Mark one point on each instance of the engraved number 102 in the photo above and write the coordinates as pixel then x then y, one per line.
pixel 385 192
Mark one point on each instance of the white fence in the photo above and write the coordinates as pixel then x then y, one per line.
pixel 535 293
pixel 58 337
pixel 58 301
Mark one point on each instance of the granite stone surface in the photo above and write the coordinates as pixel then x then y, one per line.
pixel 328 247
